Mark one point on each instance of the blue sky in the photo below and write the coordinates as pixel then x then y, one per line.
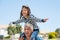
pixel 10 11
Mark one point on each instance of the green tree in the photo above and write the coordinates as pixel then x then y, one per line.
pixel 14 29
pixel 52 35
pixel 18 28
pixel 58 32
pixel 11 30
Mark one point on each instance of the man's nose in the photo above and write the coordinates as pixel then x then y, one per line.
pixel 26 30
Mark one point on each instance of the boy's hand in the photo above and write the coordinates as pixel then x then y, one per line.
pixel 45 19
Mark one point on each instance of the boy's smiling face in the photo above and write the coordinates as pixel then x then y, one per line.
pixel 25 12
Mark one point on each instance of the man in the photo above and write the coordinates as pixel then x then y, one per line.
pixel 28 29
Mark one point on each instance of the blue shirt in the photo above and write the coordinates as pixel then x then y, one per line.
pixel 37 38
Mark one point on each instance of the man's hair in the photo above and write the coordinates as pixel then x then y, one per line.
pixel 24 6
pixel 29 25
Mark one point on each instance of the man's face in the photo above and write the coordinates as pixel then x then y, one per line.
pixel 28 31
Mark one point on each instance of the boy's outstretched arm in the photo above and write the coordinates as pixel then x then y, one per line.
pixel 38 19
pixel 41 20
pixel 18 21
pixel 45 19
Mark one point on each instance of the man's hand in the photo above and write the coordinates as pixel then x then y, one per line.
pixel 21 38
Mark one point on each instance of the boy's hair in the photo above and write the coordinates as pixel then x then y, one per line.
pixel 24 6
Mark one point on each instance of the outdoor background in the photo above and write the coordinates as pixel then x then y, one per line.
pixel 10 11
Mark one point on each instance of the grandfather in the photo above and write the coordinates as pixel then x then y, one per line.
pixel 28 29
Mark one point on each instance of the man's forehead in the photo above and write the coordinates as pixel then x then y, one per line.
pixel 27 26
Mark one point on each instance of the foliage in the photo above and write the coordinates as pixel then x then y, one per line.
pixel 14 29
pixel 52 35
pixel 7 37
pixel 18 28
pixel 58 32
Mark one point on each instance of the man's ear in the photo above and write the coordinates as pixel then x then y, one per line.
pixel 32 30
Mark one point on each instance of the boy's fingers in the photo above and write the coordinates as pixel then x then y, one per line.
pixel 46 19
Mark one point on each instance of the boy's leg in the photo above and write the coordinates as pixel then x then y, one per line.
pixel 34 34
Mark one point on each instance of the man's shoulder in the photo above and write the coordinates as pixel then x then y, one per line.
pixel 39 38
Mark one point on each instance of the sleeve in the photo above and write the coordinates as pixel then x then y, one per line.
pixel 37 19
pixel 18 21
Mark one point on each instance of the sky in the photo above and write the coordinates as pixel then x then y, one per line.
pixel 10 11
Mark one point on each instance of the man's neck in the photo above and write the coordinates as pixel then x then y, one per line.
pixel 28 37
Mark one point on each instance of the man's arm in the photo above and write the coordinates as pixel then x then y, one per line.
pixel 21 38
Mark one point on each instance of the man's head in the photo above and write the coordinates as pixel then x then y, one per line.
pixel 28 29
